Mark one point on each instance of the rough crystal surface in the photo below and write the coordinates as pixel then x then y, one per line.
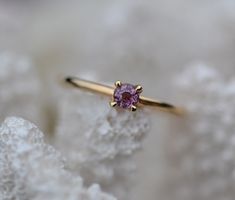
pixel 200 152
pixel 31 169
pixel 126 95
pixel 101 146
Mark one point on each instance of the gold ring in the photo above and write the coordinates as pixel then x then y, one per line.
pixel 124 95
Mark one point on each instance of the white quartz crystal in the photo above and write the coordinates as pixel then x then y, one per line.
pixel 31 169
pixel 99 141
pixel 200 151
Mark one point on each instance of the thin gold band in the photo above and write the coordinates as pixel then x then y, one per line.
pixel 108 90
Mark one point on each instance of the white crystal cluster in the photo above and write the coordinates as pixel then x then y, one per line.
pixel 99 141
pixel 31 169
pixel 201 151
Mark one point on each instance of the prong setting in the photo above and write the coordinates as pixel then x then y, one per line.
pixel 139 88
pixel 118 83
pixel 133 108
pixel 126 95
pixel 113 103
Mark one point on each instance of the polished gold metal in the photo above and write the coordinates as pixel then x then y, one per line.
pixel 113 103
pixel 118 83
pixel 133 108
pixel 109 90
pixel 139 88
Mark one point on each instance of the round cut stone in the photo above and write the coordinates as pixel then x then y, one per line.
pixel 126 96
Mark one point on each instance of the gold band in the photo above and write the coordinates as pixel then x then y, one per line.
pixel 109 90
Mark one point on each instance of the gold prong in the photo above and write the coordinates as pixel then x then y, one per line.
pixel 113 103
pixel 133 108
pixel 118 83
pixel 139 88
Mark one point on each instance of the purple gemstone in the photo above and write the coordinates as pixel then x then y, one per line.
pixel 126 96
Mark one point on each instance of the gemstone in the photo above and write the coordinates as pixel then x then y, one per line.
pixel 126 95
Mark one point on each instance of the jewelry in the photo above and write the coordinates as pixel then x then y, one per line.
pixel 124 95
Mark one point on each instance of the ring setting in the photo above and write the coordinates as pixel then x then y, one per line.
pixel 126 95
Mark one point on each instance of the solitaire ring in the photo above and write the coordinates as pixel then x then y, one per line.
pixel 124 95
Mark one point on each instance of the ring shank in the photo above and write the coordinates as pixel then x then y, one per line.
pixel 90 86
pixel 161 106
pixel 108 90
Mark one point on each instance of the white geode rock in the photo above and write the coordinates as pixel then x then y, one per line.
pixel 201 146
pixel 100 141
pixel 33 170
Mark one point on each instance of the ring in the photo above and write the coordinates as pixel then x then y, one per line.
pixel 124 95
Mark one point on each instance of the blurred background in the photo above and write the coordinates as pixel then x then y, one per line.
pixel 147 42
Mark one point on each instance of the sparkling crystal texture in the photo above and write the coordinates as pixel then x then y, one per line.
pixel 126 96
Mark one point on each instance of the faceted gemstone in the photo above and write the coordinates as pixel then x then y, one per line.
pixel 126 96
